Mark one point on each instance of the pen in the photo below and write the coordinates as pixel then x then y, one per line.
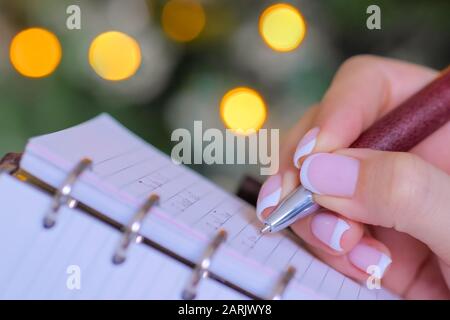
pixel 399 130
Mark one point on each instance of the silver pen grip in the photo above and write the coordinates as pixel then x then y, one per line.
pixel 298 204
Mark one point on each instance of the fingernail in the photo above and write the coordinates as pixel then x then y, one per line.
pixel 269 195
pixel 329 229
pixel 306 145
pixel 363 256
pixel 330 174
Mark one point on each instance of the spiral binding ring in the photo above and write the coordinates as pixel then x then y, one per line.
pixel 282 283
pixel 201 269
pixel 131 233
pixel 62 195
pixel 10 163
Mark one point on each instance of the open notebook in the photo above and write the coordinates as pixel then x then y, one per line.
pixel 38 264
pixel 191 211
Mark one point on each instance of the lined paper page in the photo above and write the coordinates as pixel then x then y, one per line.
pixel 37 263
pixel 126 170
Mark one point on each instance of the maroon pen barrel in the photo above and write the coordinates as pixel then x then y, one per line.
pixel 413 120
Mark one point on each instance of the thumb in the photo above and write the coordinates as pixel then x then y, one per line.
pixel 388 189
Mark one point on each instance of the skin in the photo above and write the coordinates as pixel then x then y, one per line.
pixel 401 205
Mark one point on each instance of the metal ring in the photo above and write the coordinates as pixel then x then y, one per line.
pixel 62 195
pixel 131 233
pixel 283 282
pixel 201 269
pixel 10 163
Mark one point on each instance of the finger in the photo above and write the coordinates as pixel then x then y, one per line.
pixel 369 256
pixel 290 142
pixel 364 88
pixel 273 190
pixel 410 254
pixel 411 258
pixel 328 232
pixel 446 274
pixel 431 149
pixel 429 284
pixel 333 235
pixel 388 189
pixel 276 187
pixel 338 103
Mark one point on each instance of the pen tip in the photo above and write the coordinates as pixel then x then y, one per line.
pixel 266 229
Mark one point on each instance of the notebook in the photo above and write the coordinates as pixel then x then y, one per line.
pixel 39 263
pixel 177 233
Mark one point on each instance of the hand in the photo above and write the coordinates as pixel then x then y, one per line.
pixel 387 209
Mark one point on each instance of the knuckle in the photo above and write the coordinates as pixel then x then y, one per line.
pixel 405 185
pixel 362 60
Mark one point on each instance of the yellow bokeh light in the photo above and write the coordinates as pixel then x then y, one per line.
pixel 114 56
pixel 35 52
pixel 282 27
pixel 183 20
pixel 243 110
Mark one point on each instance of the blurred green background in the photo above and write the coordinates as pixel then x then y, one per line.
pixel 178 83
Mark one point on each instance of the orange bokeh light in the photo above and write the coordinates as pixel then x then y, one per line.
pixel 183 20
pixel 35 52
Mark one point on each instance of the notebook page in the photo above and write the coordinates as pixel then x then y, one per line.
pixel 126 170
pixel 38 263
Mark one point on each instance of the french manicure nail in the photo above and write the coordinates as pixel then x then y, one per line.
pixel 269 195
pixel 363 256
pixel 330 174
pixel 329 229
pixel 306 145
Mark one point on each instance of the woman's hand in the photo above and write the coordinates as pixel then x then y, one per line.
pixel 387 209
